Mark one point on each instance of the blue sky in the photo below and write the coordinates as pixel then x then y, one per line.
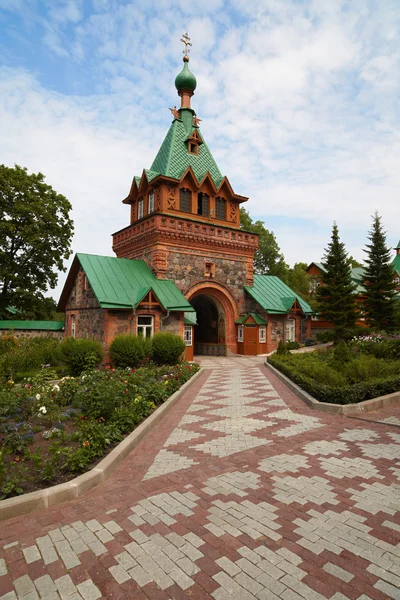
pixel 299 102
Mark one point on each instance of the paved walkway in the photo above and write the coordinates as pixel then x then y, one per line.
pixel 242 492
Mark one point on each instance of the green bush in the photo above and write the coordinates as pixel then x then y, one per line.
pixel 341 353
pixel 347 394
pixel 28 355
pixel 282 349
pixel 167 348
pixel 292 345
pixel 81 354
pixel 365 368
pixel 325 336
pixel 129 350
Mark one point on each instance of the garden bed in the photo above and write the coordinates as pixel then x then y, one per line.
pixel 49 433
pixel 367 368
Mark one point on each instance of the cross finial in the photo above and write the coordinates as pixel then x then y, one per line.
pixel 186 40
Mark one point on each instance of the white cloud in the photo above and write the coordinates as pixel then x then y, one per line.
pixel 299 102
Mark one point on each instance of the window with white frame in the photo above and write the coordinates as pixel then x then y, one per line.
pixel 151 201
pixel 140 210
pixel 262 334
pixel 73 326
pixel 145 326
pixel 240 333
pixel 187 335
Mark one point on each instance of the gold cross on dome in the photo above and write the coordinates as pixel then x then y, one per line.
pixel 186 40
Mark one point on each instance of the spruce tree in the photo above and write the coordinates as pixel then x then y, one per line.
pixel 379 280
pixel 336 299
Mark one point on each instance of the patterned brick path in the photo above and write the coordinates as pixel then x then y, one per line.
pixel 241 492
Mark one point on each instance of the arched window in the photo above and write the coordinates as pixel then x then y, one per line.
pixel 220 208
pixel 185 199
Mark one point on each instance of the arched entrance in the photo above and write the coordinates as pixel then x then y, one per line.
pixel 209 333
pixel 214 334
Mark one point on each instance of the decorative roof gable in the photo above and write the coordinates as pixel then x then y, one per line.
pixel 274 296
pixel 123 283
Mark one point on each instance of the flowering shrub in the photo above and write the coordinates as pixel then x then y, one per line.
pixel 50 431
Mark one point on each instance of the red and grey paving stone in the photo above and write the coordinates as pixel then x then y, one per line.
pixel 241 492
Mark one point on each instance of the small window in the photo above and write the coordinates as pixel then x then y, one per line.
pixel 240 333
pixel 202 204
pixel 193 148
pixel 209 269
pixel 185 198
pixel 263 334
pixel 73 326
pixel 145 326
pixel 140 208
pixel 187 335
pixel 220 208
pixel 151 201
pixel 84 282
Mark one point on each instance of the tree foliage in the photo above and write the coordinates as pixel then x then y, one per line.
pixel 268 259
pixel 380 304
pixel 335 295
pixel 35 238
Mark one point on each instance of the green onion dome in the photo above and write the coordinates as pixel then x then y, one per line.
pixel 185 80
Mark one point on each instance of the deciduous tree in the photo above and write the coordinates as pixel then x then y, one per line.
pixel 268 259
pixel 35 238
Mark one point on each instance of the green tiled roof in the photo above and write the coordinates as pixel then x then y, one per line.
pixel 39 325
pixel 274 296
pixel 173 158
pixel 257 318
pixel 123 283
pixel 396 263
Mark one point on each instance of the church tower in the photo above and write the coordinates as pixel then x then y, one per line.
pixel 185 223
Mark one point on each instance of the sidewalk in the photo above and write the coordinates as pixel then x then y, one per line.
pixel 241 492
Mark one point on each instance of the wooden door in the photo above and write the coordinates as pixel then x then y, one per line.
pixel 250 340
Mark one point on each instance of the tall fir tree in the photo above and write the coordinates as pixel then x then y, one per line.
pixel 380 304
pixel 336 298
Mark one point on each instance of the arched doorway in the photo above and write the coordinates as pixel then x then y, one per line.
pixel 209 333
pixel 214 334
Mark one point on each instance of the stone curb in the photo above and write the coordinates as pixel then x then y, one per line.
pixel 42 499
pixel 337 409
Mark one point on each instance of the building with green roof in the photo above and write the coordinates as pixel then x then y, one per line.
pixel 183 264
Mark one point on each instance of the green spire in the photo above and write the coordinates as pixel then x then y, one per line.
pixel 185 80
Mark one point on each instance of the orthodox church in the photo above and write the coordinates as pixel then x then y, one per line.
pixel 183 264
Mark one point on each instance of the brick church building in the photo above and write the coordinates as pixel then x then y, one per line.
pixel 183 264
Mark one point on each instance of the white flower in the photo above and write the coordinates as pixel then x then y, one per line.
pixel 43 410
pixel 56 388
pixel 37 396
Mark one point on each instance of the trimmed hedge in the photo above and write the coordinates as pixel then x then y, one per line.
pixel 167 348
pixel 129 350
pixel 81 354
pixel 348 394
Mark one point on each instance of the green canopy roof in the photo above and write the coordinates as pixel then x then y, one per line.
pixel 257 318
pixel 123 283
pixel 173 158
pixel 396 263
pixel 190 318
pixel 274 296
pixel 38 325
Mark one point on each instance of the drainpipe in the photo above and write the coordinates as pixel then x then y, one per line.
pixel 133 318
pixel 163 319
